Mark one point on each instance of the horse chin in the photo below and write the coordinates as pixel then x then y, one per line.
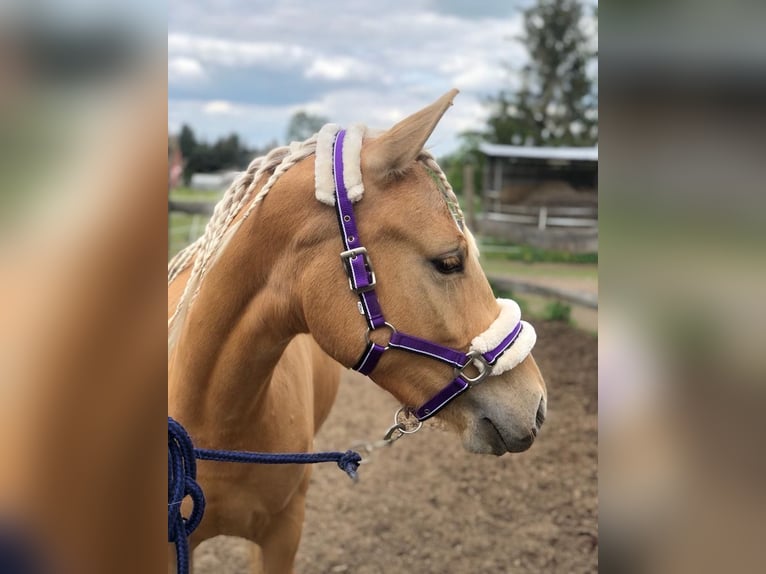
pixel 484 436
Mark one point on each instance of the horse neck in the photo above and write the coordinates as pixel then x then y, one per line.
pixel 247 311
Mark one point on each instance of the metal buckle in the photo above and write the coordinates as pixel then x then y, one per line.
pixel 346 257
pixel 474 357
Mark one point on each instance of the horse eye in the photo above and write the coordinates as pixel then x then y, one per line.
pixel 447 265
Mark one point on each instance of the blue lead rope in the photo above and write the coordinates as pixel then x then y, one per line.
pixel 182 480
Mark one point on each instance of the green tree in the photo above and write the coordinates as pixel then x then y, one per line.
pixel 557 102
pixel 187 142
pixel 202 157
pixel 228 151
pixel 303 125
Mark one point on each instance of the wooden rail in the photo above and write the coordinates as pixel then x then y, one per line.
pixel 191 207
pixel 588 300
pixel 540 216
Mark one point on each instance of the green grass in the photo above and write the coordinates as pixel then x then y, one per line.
pixel 184 229
pixel 519 270
pixel 188 194
pixel 557 311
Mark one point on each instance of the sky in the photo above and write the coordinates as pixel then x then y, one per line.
pixel 246 66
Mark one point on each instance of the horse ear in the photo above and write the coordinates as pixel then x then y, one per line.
pixel 391 153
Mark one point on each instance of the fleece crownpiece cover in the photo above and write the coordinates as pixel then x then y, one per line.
pixel 352 160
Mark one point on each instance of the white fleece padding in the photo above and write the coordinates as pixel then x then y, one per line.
pixel 352 159
pixel 510 315
pixel 323 179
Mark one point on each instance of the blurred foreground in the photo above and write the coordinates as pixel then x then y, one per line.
pixel 682 314
pixel 82 259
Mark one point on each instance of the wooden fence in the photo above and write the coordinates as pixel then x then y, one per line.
pixel 545 216
pixel 191 207
pixel 186 222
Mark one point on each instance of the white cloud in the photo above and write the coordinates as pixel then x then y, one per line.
pixel 338 68
pixel 352 63
pixel 182 69
pixel 234 53
pixel 477 76
pixel 219 107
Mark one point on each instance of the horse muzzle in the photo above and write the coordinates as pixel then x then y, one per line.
pixel 493 433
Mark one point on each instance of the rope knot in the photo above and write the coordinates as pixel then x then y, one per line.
pixel 182 479
pixel 182 482
pixel 349 463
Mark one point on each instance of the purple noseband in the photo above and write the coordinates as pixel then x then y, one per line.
pixel 361 279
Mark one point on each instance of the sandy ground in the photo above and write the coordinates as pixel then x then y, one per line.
pixel 424 505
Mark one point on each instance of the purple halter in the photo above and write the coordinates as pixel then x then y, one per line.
pixel 361 280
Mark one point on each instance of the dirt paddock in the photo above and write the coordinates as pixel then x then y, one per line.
pixel 425 505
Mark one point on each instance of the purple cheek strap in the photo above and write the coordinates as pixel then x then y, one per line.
pixel 362 281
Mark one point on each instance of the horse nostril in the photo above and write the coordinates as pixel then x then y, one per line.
pixel 540 417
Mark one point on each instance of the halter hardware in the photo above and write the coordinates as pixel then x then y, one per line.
pixel 346 257
pixel 385 325
pixel 403 425
pixel 475 359
pixel 362 282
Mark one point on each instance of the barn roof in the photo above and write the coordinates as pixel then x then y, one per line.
pixel 545 153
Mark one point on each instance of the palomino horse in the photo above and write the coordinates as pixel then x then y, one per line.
pixel 241 375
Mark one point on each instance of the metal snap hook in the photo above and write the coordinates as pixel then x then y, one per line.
pixel 389 437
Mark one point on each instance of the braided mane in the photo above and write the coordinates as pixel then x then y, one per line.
pixel 203 252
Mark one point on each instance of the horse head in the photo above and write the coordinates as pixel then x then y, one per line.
pixel 421 263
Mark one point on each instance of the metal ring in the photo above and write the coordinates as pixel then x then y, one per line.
pixel 407 412
pixel 385 324
pixel 484 369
